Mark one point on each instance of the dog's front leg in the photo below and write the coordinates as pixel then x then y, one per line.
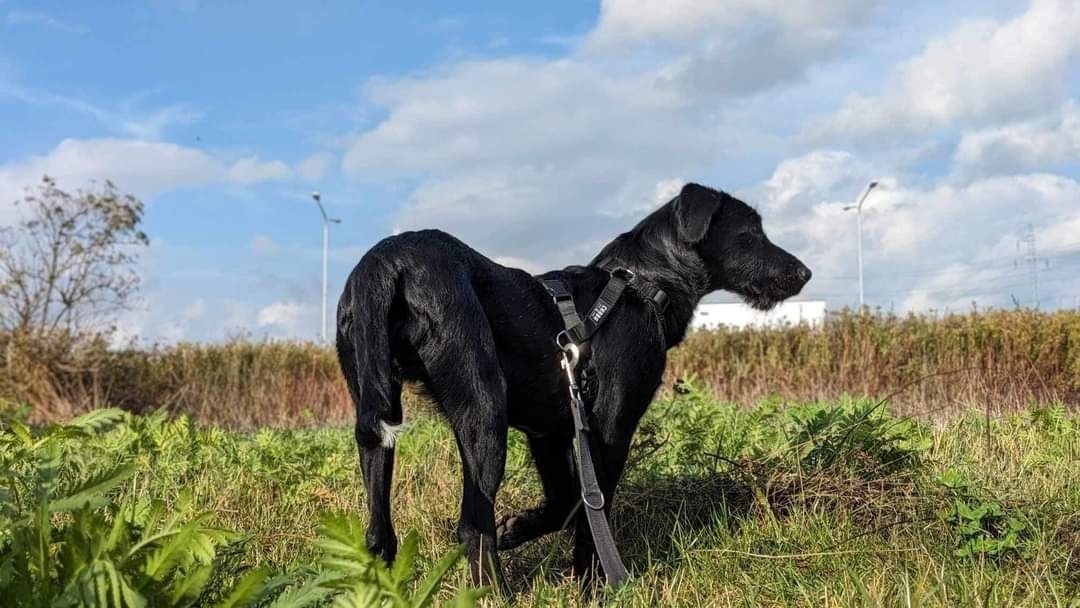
pixel 554 460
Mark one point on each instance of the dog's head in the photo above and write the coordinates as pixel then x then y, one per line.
pixel 728 236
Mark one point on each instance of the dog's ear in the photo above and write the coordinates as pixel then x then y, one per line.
pixel 694 209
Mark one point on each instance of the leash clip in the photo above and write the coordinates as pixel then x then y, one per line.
pixel 571 352
pixel 570 357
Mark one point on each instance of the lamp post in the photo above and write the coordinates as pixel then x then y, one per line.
pixel 326 221
pixel 858 220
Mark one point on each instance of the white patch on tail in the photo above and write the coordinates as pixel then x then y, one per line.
pixel 388 433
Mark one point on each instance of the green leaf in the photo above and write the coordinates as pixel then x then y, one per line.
pixel 427 589
pixel 21 432
pixel 467 598
pixel 96 422
pixel 311 592
pixel 91 490
pixel 402 571
pixel 176 550
pixel 249 590
pixel 191 585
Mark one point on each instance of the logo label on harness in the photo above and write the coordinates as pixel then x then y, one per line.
pixel 598 313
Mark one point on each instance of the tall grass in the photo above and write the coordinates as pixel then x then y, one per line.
pixel 237 384
pixel 927 363
pixel 933 364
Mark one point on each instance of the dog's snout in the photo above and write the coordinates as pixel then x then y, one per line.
pixel 803 273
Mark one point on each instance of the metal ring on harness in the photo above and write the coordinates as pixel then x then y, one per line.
pixel 563 340
pixel 592 506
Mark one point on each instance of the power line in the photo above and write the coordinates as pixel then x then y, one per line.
pixel 979 264
pixel 994 283
pixel 960 290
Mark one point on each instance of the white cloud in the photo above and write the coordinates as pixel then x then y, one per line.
pixel 503 161
pixel 526 265
pixel 925 246
pixel 1060 235
pixel 126 120
pixel 728 48
pixel 813 177
pixel 1044 142
pixel 666 189
pixel 251 170
pixel 264 245
pixel 541 159
pixel 983 71
pixel 631 23
pixel 150 125
pixel 144 168
pixel 18 17
pixel 480 112
pixel 314 167
pixel 291 317
pixel 167 316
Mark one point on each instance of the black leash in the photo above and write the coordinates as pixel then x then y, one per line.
pixel 591 495
pixel 576 332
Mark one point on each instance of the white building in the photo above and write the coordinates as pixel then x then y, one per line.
pixel 711 315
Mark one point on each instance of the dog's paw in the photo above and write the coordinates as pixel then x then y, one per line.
pixel 517 528
pixel 504 532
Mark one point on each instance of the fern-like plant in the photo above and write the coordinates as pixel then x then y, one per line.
pixel 351 577
pixel 66 543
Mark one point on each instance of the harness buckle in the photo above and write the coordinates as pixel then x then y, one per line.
pixel 623 273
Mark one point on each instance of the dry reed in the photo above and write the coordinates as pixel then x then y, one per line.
pixel 998 359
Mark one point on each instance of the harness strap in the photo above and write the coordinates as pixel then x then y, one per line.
pixel 648 291
pixel 564 300
pixel 582 330
pixel 577 332
pixel 592 496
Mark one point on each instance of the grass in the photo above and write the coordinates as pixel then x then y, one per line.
pixel 833 503
pixel 1003 359
pixel 997 359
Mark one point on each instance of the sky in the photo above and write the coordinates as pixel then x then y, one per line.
pixel 536 132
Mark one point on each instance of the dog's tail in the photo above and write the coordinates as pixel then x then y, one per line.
pixel 363 348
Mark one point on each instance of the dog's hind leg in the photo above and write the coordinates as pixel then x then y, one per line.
pixel 376 395
pixel 554 462
pixel 467 381
pixel 377 466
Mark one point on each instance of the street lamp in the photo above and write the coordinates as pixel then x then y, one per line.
pixel 858 218
pixel 326 221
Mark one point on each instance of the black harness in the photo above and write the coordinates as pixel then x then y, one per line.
pixel 576 333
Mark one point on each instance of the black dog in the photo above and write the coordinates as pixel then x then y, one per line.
pixel 424 306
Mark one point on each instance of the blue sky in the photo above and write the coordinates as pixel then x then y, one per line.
pixel 536 131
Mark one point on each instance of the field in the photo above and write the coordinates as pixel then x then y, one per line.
pixel 813 504
pixel 230 476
